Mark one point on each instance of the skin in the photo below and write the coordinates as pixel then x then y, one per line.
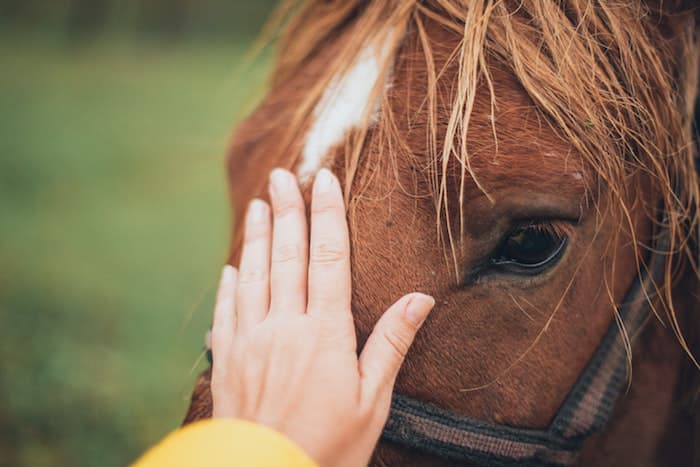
pixel 283 337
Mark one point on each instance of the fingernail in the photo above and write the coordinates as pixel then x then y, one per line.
pixel 323 182
pixel 418 308
pixel 227 274
pixel 280 181
pixel 256 210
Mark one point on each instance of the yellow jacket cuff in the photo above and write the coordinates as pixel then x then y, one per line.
pixel 225 443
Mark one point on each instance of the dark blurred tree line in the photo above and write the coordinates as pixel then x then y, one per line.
pixel 169 19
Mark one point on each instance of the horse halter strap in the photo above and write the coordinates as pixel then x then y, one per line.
pixel 585 410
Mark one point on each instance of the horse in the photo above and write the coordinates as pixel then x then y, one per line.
pixel 530 164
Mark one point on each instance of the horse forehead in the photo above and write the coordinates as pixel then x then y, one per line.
pixel 346 103
pixel 526 152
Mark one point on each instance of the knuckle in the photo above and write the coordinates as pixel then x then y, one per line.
pixel 328 251
pixel 219 337
pixel 398 342
pixel 255 232
pixel 286 253
pixel 252 276
pixel 216 386
pixel 285 207
pixel 220 378
pixel 324 204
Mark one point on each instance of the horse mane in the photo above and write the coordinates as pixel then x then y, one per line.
pixel 617 80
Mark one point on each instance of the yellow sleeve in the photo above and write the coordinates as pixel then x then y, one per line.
pixel 225 443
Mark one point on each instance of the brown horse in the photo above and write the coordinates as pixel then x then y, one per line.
pixel 529 163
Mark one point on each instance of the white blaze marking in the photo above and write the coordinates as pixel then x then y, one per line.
pixel 342 107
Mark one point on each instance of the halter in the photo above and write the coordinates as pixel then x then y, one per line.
pixel 585 410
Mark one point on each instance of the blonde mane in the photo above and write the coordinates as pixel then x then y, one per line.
pixel 617 80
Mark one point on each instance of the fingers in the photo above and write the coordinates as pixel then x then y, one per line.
pixel 224 312
pixel 329 250
pixel 253 293
pixel 289 244
pixel 388 344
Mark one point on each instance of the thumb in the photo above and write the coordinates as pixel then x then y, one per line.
pixel 389 342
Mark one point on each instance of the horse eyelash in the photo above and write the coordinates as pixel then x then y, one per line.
pixel 554 228
pixel 557 228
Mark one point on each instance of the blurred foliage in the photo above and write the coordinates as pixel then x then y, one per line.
pixel 169 19
pixel 114 221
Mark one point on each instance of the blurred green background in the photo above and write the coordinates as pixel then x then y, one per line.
pixel 114 116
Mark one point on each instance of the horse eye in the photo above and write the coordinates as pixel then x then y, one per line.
pixel 529 249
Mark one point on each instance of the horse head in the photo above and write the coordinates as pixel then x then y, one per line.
pixel 530 164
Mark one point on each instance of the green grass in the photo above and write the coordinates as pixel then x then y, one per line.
pixel 114 221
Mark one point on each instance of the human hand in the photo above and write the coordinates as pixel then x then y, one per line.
pixel 283 338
